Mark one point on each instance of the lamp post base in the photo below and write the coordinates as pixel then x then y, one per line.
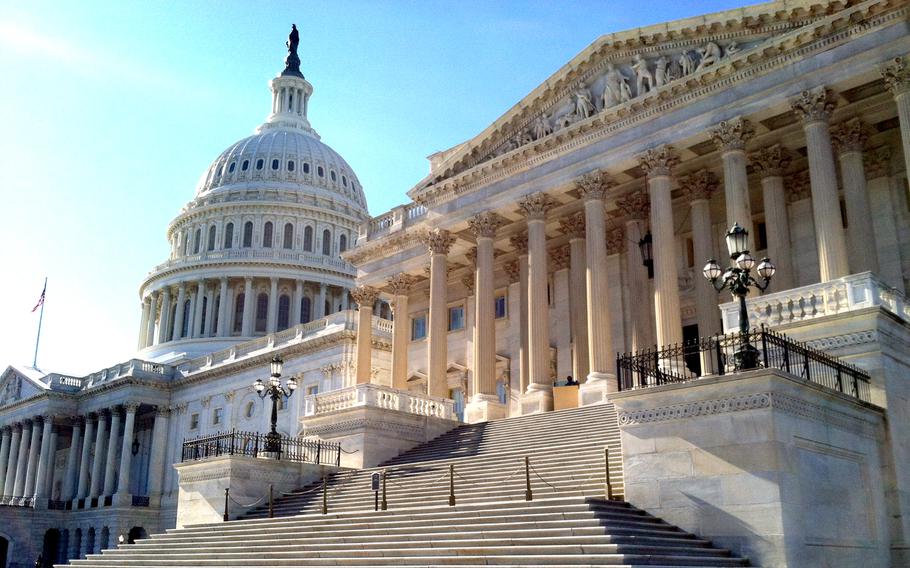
pixel 746 358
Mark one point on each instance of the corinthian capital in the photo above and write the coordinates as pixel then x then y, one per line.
pixel 485 224
pixel 897 76
pixel 699 185
pixel 616 240
pixel 594 184
pixel 439 241
pixel 520 242
pixel 660 161
pixel 635 205
pixel 573 225
pixel 849 136
pixel 559 257
pixel 771 161
pixel 798 186
pixel 878 162
pixel 732 134
pixel 512 269
pixel 536 205
pixel 365 296
pixel 401 283
pixel 814 105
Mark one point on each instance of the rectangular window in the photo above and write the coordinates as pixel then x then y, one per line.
pixel 456 318
pixel 217 415
pixel 762 236
pixel 690 252
pixel 500 306
pixel 312 389
pixel 418 327
pixel 194 421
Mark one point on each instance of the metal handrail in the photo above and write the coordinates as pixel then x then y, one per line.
pixel 240 443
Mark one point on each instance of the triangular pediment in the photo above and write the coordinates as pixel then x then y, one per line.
pixel 614 76
pixel 18 384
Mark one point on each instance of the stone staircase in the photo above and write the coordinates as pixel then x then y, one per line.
pixel 568 523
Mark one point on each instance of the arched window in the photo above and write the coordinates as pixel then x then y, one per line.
pixel 77 543
pixel 262 311
pixel 284 312
pixel 186 244
pixel 275 164
pixel 333 176
pixel 342 243
pixel 205 309
pixel 290 165
pixel 267 235
pixel 308 239
pixel 245 165
pixel 320 172
pixel 250 409
pixel 211 242
pixel 197 241
pixel 232 167
pixel 344 181
pixel 229 235
pixel 90 540
pixel 248 234
pixel 260 163
pixel 326 242
pixel 186 319
pixel 288 236
pixel 238 313
pixel 305 310
pixel 306 168
pixel 216 309
pixel 105 538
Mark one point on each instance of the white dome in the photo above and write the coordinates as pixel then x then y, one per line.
pixel 283 156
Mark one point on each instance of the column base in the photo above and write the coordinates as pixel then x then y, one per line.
pixel 483 408
pixel 536 401
pixel 122 500
pixel 596 388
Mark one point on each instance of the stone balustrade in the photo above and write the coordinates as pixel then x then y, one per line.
pixel 849 293
pixel 312 259
pixel 378 396
pixel 399 218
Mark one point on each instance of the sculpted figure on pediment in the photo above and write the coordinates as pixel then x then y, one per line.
pixel 731 49
pixel 710 54
pixel 686 63
pixel 625 92
pixel 542 127
pixel 613 80
pixel 661 74
pixel 643 75
pixel 583 106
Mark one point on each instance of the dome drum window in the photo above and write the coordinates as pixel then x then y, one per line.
pixel 290 165
pixel 245 165
pixel 260 163
pixel 320 172
pixel 333 176
pixel 306 168
pixel 232 167
pixel 275 164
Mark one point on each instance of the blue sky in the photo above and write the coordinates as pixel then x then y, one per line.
pixel 110 112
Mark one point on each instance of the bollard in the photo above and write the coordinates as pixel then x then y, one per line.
pixel 451 485
pixel 528 495
pixel 227 492
pixel 271 503
pixel 325 496
pixel 609 484
pixel 385 504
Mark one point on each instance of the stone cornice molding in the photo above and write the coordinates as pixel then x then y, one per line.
pixel 401 283
pixel 897 76
pixel 732 135
pixel 771 161
pixel 699 185
pixel 373 250
pixel 849 136
pixel 594 185
pixel 658 162
pixel 573 225
pixel 438 241
pixel 365 296
pixel 485 224
pixel 877 162
pixel 536 205
pixel 635 205
pixel 520 242
pixel 814 105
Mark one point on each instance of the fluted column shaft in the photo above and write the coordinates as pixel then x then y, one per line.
pixel 777 223
pixel 248 303
pixel 272 321
pixel 97 473
pixel 126 454
pixel 22 459
pixel 157 453
pixel 164 324
pixel 736 191
pixel 484 320
pixel 538 316
pixel 144 325
pixel 223 309
pixel 524 364
pixel 45 458
pixel 438 243
pixel 4 455
pixel 295 302
pixel 600 340
pixel 862 251
pixel 70 477
pixel 578 306
pixel 706 310
pixel 82 490
pixel 178 314
pixel 153 316
pixel 365 297
pixel 319 308
pixel 11 460
pixel 111 461
pixel 897 78
pixel 198 308
pixel 34 449
pixel 638 288
pixel 400 286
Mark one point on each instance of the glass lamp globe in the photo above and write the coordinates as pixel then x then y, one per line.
pixel 766 269
pixel 712 270
pixel 276 366
pixel 259 386
pixel 737 240
pixel 745 261
pixel 274 381
pixel 292 384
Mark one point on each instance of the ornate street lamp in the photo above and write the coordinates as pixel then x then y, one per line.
pixel 274 390
pixel 647 257
pixel 738 279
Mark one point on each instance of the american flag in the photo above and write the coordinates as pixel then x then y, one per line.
pixel 41 299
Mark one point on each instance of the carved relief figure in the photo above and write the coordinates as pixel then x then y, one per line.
pixel 642 75
pixel 710 54
pixel 661 77
pixel 625 92
pixel 612 94
pixel 731 49
pixel 686 64
pixel 583 106
pixel 542 127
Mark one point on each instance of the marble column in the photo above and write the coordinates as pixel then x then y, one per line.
pixel 319 308
pixel 223 309
pixel 82 488
pixel 4 455
pixel 601 378
pixel 539 396
pixel 144 325
pixel 520 244
pixel 98 461
pixel 111 458
pixel 157 453
pixel 558 261
pixel 637 208
pixel 164 332
pixel 48 489
pixel 45 458
pixel 657 163
pixel 484 404
pixel 34 449
pixel 814 109
pixel 272 317
pixel 345 299
pixel 198 305
pixel 400 286
pixel 22 462
pixel 126 453
pixel 153 317
pixel 178 313
pixel 849 139
pixel 296 301
pixel 365 296
pixel 698 188
pixel 248 303
pixel 574 227
pixel 438 242
pixel 897 78
pixel 730 137
pixel 71 474
pixel 770 163
pixel 12 462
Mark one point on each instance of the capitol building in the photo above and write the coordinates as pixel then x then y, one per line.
pixel 546 295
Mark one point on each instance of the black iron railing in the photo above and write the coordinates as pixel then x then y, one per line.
pixel 717 355
pixel 10 501
pixel 237 443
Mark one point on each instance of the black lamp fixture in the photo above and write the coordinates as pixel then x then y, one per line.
pixel 738 279
pixel 645 244
pixel 275 391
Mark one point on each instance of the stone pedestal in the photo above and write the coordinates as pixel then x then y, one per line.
pixel 566 397
pixel 595 391
pixel 484 407
pixel 535 401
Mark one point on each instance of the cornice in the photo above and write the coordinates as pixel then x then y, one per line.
pixel 373 250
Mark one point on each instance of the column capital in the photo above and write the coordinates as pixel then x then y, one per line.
pixel 659 161
pixel 485 224
pixel 770 161
pixel 732 134
pixel 560 257
pixel 513 270
pixel 401 283
pixel 798 186
pixel 520 242
pixel 273 280
pixel 6 428
pixel 896 74
pixel 246 280
pixel 468 282
pixel 699 185
pixel 814 105
pixel 130 406
pixel 365 296
pixel 616 240
pixel 877 162
pixel 849 136
pixel 77 421
pixel 163 411
pixel 635 205
pixel 181 286
pixel 17 427
pixel 471 255
pixel 594 185
pixel 536 205
pixel 438 241
pixel 573 225
pixel 102 412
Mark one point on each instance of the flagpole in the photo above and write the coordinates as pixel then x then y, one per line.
pixel 40 319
